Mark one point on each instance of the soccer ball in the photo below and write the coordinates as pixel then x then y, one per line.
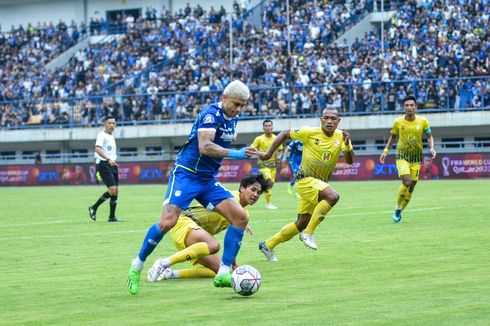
pixel 245 280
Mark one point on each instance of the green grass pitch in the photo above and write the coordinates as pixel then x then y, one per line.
pixel 60 268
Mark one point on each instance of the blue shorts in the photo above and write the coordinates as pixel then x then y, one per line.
pixel 185 186
pixel 294 166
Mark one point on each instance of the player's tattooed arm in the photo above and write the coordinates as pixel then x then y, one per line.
pixel 171 208
pixel 208 147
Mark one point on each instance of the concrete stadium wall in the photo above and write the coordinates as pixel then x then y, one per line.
pixel 466 125
pixel 22 12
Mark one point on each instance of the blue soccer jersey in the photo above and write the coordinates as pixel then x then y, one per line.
pixel 212 118
pixel 295 152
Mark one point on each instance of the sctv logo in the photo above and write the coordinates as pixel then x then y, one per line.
pixel 48 176
pixel 150 174
pixel 385 169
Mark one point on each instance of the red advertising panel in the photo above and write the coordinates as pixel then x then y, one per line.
pixel 444 166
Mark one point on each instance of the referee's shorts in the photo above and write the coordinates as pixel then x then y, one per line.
pixel 108 173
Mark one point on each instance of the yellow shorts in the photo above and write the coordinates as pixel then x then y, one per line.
pixel 405 168
pixel 179 232
pixel 269 173
pixel 308 189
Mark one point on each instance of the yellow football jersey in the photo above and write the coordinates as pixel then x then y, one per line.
pixel 320 152
pixel 409 146
pixel 209 220
pixel 263 143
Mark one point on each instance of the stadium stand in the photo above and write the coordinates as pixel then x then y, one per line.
pixel 167 65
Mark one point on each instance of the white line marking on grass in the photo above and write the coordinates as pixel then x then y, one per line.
pixel 33 224
pixel 254 221
pixel 368 213
pixel 48 236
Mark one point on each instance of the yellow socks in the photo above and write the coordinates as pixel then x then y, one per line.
pixel 268 197
pixel 321 209
pixel 198 272
pixel 403 197
pixel 407 198
pixel 194 251
pixel 285 234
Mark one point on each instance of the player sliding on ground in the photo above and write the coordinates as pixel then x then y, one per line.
pixel 193 235
pixel 321 151
pixel 409 130
pixel 194 177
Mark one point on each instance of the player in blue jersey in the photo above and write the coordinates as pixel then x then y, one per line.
pixel 292 154
pixel 193 177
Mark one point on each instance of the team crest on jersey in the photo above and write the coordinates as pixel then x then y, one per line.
pixel 208 119
pixel 178 193
pixel 109 148
pixel 326 156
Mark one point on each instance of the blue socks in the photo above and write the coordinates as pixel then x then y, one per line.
pixel 232 242
pixel 293 182
pixel 153 237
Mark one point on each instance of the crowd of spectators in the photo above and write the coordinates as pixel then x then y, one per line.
pixel 132 77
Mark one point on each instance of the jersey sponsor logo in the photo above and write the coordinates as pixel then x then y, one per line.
pixel 417 127
pixel 337 143
pixel 208 119
pixel 178 193
pixel 227 136
pixel 326 156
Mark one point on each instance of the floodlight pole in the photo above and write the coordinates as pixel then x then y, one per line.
pixel 288 29
pixel 231 41
pixel 383 28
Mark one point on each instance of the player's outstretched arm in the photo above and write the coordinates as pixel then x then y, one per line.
pixel 285 134
pixel 390 143
pixel 349 150
pixel 430 141
pixel 209 148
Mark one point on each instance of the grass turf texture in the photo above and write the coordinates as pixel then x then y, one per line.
pixel 59 267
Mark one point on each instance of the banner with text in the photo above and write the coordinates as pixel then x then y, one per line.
pixel 444 166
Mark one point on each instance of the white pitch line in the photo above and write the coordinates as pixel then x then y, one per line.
pixel 48 236
pixel 253 222
pixel 33 224
pixel 366 213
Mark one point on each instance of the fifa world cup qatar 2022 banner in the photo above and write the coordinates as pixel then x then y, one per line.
pixel 444 166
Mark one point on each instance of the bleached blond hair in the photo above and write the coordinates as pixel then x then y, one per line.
pixel 237 89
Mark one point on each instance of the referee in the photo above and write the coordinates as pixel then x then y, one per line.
pixel 105 158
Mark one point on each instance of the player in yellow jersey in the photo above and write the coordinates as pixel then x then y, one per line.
pixel 321 151
pixel 268 167
pixel 193 235
pixel 408 130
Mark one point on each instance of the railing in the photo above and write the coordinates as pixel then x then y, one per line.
pixel 433 95
pixel 162 155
